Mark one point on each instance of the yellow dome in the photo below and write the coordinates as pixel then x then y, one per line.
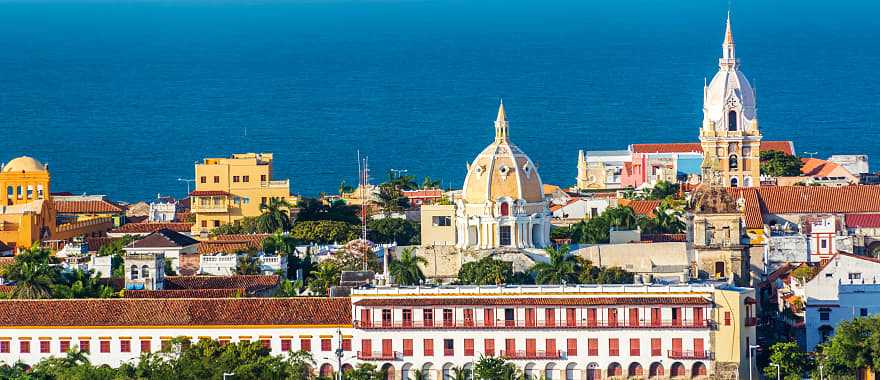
pixel 502 170
pixel 24 164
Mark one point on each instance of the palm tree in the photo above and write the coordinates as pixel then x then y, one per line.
pixel 561 267
pixel 391 199
pixel 32 280
pixel 279 244
pixel 417 375
pixel 247 264
pixel 429 183
pixel 323 277
pixel 405 269
pixel 275 215
pixel 461 373
pixel 345 188
pixel 668 220
pixel 622 217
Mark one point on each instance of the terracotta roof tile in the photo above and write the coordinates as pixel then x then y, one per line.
pixel 251 283
pixel 232 243
pixel 546 301
pixel 786 147
pixel 176 312
pixel 186 293
pixel 86 207
pixel 641 207
pixel 140 228
pixel 814 199
pixel 862 220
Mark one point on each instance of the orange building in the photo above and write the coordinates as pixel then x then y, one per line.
pixel 26 212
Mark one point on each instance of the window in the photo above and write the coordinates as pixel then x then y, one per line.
pixel 305 344
pixel 633 317
pixel 216 223
pixel 429 347
pixel 386 317
pixel 731 121
pixel 863 312
pixel 20 193
pixel 4 346
pixel 549 317
pixel 263 177
pixel 105 346
pixel 245 200
pixel 203 179
pixel 448 347
pixel 85 345
pixel 854 276
pixel 824 314
pixel 204 224
pixel 727 318
pixel 489 317
pixel 571 317
pixel 134 272
pixel 489 347
pixel 699 348
pixel 145 271
pixel 325 344
pixel 64 345
pixel 530 317
pixel 505 209
pixel 593 347
pixel 509 317
pixel 246 178
pixel 428 317
pixel 656 347
pixel 635 348
pixel 44 346
pixel 216 179
pixel 504 235
pixel 145 345
pixel 447 317
pixel 676 316
pixel 656 319
pixel 407 347
pixel 235 178
pixel 367 347
pixel 531 347
pixel 30 192
pixel 346 344
pixel 734 182
pixel 468 347
pixel 24 346
pixel 571 347
pixel 612 317
pixel 286 345
pixel 407 317
pixel 613 347
pixel 510 346
pixel 124 345
pixel 823 243
pixel 441 221
pixel 469 317
pixel 733 162
pixel 550 346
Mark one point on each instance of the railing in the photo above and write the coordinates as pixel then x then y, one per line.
pixel 522 324
pixel 378 355
pixel 531 355
pixel 209 208
pixel 278 183
pixel 690 354
pixel 491 290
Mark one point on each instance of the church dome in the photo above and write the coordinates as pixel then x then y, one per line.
pixel 24 164
pixel 502 170
pixel 729 99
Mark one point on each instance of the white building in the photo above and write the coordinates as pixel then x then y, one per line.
pixel 845 288
pixel 167 242
pixel 162 211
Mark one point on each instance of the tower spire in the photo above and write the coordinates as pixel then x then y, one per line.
pixel 501 129
pixel 728 54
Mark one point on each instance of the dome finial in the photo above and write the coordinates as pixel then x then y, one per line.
pixel 501 115
pixel 501 124
pixel 728 33
pixel 728 56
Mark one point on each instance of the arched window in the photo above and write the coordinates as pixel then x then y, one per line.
pixel 145 271
pixel 134 272
pixel 747 182
pixel 39 191
pixel 734 182
pixel 505 209
pixel 733 162
pixel 19 192
pixel 731 121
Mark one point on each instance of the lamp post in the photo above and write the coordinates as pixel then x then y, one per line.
pixel 339 353
pixel 751 348
pixel 188 181
pixel 820 372
pixel 778 371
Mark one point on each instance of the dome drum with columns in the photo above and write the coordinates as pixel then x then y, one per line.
pixel 502 202
pixel 729 135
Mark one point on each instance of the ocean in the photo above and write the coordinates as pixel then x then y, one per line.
pixel 121 98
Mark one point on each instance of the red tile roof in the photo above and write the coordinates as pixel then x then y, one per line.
pixel 232 243
pixel 184 312
pixel 786 147
pixel 814 199
pixel 862 220
pixel 814 167
pixel 555 207
pixel 251 283
pixel 208 193
pixel 186 293
pixel 86 207
pixel 641 207
pixel 141 228
pixel 546 301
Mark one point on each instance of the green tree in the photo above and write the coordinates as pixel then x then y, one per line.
pixel 663 190
pixel 593 231
pixel 778 164
pixel 168 267
pixel 401 182
pixel 275 216
pixel 793 362
pixel 854 346
pixel 324 232
pixel 561 267
pixel 666 220
pixel 32 274
pixel 311 209
pixel 495 368
pixel 486 271
pixel 405 269
pixel 247 264
pixel 365 371
pixel 429 183
pixel 323 277
pixel 393 230
pixel 391 199
pixel 246 225
pixel 78 283
pixel 279 243
pixel 289 288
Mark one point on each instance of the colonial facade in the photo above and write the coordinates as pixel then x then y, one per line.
pixel 502 202
pixel 26 212
pixel 574 332
pixel 228 189
pixel 729 136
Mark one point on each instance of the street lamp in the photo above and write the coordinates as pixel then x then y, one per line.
pixel 188 181
pixel 778 371
pixel 751 348
pixel 339 353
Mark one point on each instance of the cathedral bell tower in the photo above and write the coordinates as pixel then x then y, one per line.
pixel 729 136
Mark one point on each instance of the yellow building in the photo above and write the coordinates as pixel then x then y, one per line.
pixel 730 137
pixel 228 189
pixel 735 318
pixel 26 213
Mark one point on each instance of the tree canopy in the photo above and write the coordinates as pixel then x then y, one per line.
pixel 393 230
pixel 778 164
pixel 854 346
pixel 324 232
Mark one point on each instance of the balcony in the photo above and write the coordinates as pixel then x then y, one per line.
pixel 690 354
pixel 531 355
pixel 279 184
pixel 522 324
pixel 378 355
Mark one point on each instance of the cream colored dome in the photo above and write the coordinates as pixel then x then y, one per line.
pixel 502 170
pixel 24 164
pixel 729 91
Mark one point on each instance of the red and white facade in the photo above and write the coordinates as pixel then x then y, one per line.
pixel 571 332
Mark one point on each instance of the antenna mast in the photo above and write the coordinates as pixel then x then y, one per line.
pixel 364 181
